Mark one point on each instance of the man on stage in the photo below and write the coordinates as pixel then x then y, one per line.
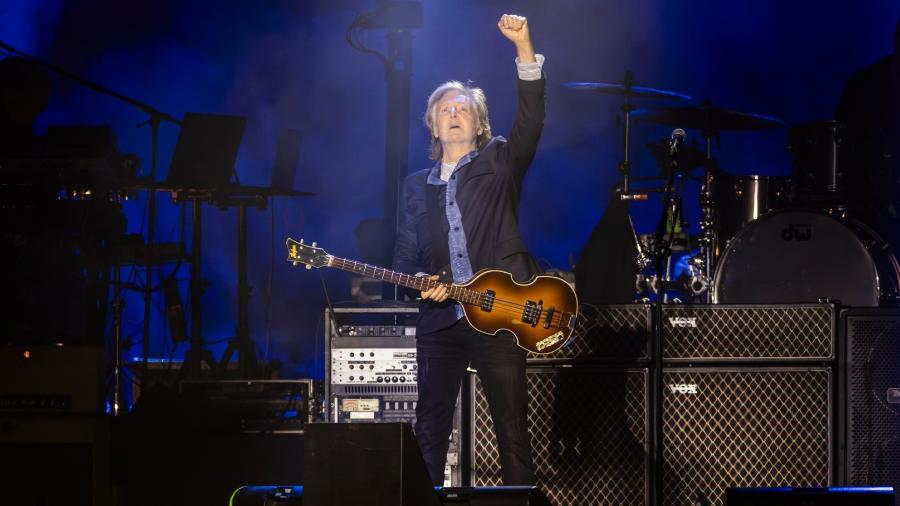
pixel 458 217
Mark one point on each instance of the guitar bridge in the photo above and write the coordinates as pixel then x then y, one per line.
pixel 532 312
pixel 487 300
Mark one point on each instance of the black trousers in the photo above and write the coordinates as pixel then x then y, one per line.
pixel 442 359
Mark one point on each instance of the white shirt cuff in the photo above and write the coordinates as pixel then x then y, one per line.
pixel 530 71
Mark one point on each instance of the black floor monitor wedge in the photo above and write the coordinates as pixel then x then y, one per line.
pixel 364 464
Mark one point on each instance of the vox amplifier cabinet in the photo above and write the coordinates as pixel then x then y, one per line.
pixel 589 431
pixel 723 427
pixel 754 333
pixel 745 427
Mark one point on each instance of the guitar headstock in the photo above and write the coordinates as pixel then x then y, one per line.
pixel 306 254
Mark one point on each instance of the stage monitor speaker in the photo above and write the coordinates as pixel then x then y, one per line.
pixel 267 495
pixel 588 425
pixel 872 396
pixel 493 496
pixel 349 463
pixel 831 496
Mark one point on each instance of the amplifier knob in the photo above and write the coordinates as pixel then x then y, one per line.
pixel 380 379
pixel 402 379
pixel 351 378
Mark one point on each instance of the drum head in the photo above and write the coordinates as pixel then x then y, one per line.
pixel 796 256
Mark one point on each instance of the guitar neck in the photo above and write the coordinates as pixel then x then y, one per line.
pixel 421 283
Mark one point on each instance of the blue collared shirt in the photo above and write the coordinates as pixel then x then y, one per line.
pixel 460 265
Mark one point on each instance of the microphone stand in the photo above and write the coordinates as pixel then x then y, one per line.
pixel 155 118
pixel 663 251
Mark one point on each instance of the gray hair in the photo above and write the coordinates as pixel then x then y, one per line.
pixel 479 104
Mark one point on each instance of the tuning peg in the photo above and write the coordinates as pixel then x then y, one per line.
pixel 301 240
pixel 295 264
pixel 314 244
pixel 308 267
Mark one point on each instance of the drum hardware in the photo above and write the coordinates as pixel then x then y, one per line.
pixel 711 121
pixel 823 153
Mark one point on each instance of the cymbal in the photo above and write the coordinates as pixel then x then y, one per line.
pixel 626 89
pixel 708 118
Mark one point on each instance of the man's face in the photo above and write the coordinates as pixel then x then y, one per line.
pixel 454 120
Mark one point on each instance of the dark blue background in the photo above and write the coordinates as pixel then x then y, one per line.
pixel 285 63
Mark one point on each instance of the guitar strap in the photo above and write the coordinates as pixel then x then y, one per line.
pixel 440 250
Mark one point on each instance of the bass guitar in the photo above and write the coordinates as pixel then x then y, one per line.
pixel 541 314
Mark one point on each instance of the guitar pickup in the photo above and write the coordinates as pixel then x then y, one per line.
pixel 487 300
pixel 549 319
pixel 532 312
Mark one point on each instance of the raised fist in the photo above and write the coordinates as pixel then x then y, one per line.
pixel 514 28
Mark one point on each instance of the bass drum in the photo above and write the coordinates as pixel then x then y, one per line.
pixel 796 256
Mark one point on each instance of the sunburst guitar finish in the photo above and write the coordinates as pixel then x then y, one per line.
pixel 540 314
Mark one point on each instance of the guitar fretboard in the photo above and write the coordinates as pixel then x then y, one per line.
pixel 421 283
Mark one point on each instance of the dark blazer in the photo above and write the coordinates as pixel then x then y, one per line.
pixel 488 194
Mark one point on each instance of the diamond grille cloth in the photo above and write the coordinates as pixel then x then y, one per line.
pixel 757 332
pixel 748 427
pixel 587 427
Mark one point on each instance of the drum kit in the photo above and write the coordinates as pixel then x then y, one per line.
pixel 762 239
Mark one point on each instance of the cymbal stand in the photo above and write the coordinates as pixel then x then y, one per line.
pixel 709 241
pixel 625 165
pixel 663 242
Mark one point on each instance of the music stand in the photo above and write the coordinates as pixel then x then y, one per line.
pixel 287 156
pixel 205 152
pixel 202 163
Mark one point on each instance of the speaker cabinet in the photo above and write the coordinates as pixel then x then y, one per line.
pixel 754 333
pixel 723 427
pixel 588 427
pixel 872 402
pixel 744 427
